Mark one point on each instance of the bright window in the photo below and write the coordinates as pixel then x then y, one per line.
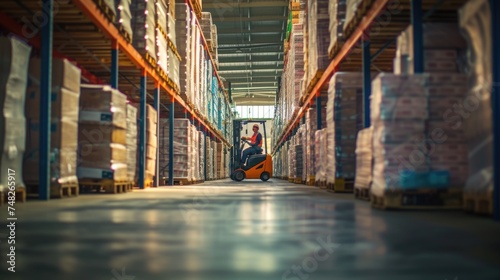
pixel 255 112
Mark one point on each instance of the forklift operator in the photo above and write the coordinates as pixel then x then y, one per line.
pixel 256 144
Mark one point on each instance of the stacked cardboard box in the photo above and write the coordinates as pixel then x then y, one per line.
pixel 321 158
pixel 220 160
pixel 202 156
pixel 144 27
pixel 65 96
pixel 152 141
pixel 318 38
pixel 210 158
pixel 196 154
pixel 343 124
pixel 441 42
pixel 161 36
pixel 14 61
pixel 102 134
pixel 475 21
pixel 364 158
pixel 310 129
pixel 399 109
pixel 337 12
pixel 182 150
pixel 351 7
pixel 131 142
pixel 124 16
pixel 183 27
pixel 215 162
pixel 206 26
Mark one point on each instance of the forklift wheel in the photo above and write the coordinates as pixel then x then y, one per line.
pixel 239 175
pixel 264 176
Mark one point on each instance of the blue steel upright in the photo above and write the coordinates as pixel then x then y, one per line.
pixel 114 65
pixel 45 106
pixel 171 144
pixel 495 100
pixel 367 82
pixel 318 112
pixel 142 133
pixel 418 37
pixel 157 108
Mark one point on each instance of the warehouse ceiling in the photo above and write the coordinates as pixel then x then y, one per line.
pixel 250 39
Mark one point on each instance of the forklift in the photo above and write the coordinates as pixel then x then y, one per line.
pixel 259 166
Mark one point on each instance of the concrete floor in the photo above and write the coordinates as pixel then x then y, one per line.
pixel 250 230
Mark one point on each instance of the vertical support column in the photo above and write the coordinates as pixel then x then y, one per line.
pixel 230 93
pixel 495 99
pixel 114 64
pixel 318 112
pixel 171 143
pixel 157 108
pixel 418 38
pixel 45 106
pixel 367 81
pixel 142 132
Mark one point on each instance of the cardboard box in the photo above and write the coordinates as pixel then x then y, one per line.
pixel 113 119
pixel 102 98
pixel 151 113
pixel 95 134
pixel 64 134
pixel 62 168
pixel 102 155
pixel 63 103
pixel 64 74
pixel 118 173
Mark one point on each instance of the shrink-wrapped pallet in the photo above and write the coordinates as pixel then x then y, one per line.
pixel 144 28
pixel 318 39
pixel 65 96
pixel 183 156
pixel 337 14
pixel 14 58
pixel 183 26
pixel 321 161
pixel 398 114
pixel 364 158
pixel 206 26
pixel 202 156
pixel 151 141
pixel 351 7
pixel 131 142
pixel 102 132
pixel 475 22
pixel 124 16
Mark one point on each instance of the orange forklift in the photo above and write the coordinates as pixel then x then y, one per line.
pixel 258 166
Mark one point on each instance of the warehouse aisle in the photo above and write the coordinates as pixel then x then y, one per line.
pixel 250 230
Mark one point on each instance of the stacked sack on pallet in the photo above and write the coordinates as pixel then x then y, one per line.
pixel 151 142
pixel 318 39
pixel 343 123
pixel 337 13
pixel 102 134
pixel 132 142
pixel 475 21
pixel 183 149
pixel 144 28
pixel 14 59
pixel 65 95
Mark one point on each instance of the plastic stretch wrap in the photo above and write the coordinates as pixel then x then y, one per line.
pixel 131 142
pixel 124 15
pixel 14 59
pixel 206 25
pixel 102 134
pixel 64 122
pixel 337 12
pixel 144 27
pixel 475 22
pixel 201 147
pixel 183 149
pixel 395 155
pixel 318 38
pixel 183 38
pixel 344 120
pixel 162 51
pixel 151 139
pixel 102 104
pixel 321 160
pixel 161 14
pixel 351 8
pixel 364 158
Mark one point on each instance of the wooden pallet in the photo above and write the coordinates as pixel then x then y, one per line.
pixel 197 8
pixel 360 12
pixel 150 60
pixel 56 190
pixel 310 180
pixel 291 179
pixel 422 199
pixel 104 185
pixel 336 48
pixel 321 184
pixel 341 185
pixel 297 180
pixel 314 80
pixel 478 203
pixel 20 193
pixel 182 182
pixel 106 10
pixel 362 193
